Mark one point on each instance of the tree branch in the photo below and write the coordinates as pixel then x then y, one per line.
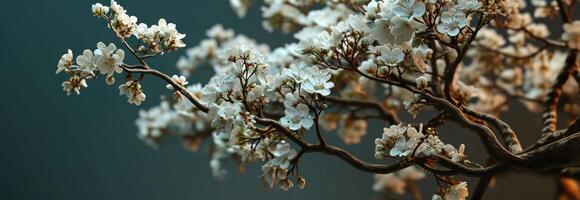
pixel 550 115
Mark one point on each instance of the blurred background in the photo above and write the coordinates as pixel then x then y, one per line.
pixel 85 147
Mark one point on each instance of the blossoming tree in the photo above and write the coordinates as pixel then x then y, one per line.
pixel 355 60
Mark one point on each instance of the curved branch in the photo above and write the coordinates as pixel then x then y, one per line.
pixel 508 134
pixel 550 115
pixel 383 112
pixel 450 71
pixel 170 81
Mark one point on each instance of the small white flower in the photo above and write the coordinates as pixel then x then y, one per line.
pixel 240 7
pixel 85 61
pixel 180 80
pixel 65 62
pixel 409 9
pixel 100 10
pixel 274 175
pixel 391 56
pixel 419 55
pixel 109 59
pixel 373 9
pixel 110 80
pixel 320 86
pixel 172 39
pixel 315 43
pixel 74 84
pixel 283 155
pixel 297 118
pixel 357 23
pixel 291 100
pixel 434 146
pixel 225 115
pixel 456 155
pixel 457 192
pixel 389 182
pixel 390 136
pixel 468 5
pixel 421 82
pixel 116 8
pixel 217 86
pixel 124 25
pixel 452 23
pixel 402 148
pixel 404 30
pixel 572 34
pixel 381 31
pixel 132 89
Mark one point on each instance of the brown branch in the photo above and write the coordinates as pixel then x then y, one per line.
pixel 435 87
pixel 481 187
pixel 414 190
pixel 563 12
pixel 388 115
pixel 180 88
pixel 558 154
pixel 450 71
pixel 550 116
pixel 508 134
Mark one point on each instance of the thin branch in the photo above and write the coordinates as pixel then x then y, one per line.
pixel 180 88
pixel 388 115
pixel 508 134
pixel 481 187
pixel 450 71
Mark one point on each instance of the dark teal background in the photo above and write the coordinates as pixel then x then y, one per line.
pixel 85 147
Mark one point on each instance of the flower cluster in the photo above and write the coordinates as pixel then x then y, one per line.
pixel 159 38
pixel 351 63
pixel 401 141
pixel 276 170
pixel 107 60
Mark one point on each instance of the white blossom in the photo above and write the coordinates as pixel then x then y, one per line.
pixel 116 8
pixel 74 84
pixel 572 34
pixel 318 82
pixel 283 155
pixel 65 62
pixel 109 59
pixel 409 9
pixel 225 115
pixel 451 23
pixel 468 5
pixel 240 6
pixel 124 25
pixel 180 80
pixel 391 56
pixel 132 89
pixel 397 182
pixel 297 118
pixel 404 30
pixel 100 10
pixel 315 43
pixel 457 192
pixel 421 82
